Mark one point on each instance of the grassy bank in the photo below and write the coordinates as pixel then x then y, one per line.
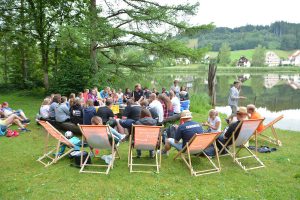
pixel 21 177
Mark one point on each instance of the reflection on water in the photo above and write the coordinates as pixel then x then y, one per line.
pixel 291 120
pixel 276 93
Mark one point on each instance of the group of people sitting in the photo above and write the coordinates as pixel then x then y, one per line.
pixel 189 128
pixel 144 108
pixel 10 116
pixel 80 109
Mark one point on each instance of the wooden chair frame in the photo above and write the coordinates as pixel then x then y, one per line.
pixel 157 155
pixel 113 148
pixel 274 140
pixel 185 152
pixel 234 153
pixel 61 140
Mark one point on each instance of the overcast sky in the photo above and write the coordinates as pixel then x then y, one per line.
pixel 234 13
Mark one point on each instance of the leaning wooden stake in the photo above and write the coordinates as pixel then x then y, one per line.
pixel 212 83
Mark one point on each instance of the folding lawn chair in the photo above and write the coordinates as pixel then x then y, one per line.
pixel 61 140
pixel 97 137
pixel 145 138
pixel 275 139
pixel 197 144
pixel 247 130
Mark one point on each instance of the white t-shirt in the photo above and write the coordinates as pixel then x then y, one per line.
pixel 157 106
pixel 44 111
pixel 213 123
pixel 176 104
pixel 120 95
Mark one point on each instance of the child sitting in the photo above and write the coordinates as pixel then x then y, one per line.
pixel 44 109
pixel 118 137
pixel 213 122
pixel 88 112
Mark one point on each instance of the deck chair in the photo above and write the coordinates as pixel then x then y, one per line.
pixel 61 140
pixel 97 137
pixel 197 144
pixel 274 140
pixel 247 131
pixel 145 138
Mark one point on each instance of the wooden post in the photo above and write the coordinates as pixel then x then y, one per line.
pixel 212 69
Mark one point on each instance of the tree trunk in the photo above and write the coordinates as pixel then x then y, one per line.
pixel 5 70
pixel 22 47
pixel 44 51
pixel 212 83
pixel 93 45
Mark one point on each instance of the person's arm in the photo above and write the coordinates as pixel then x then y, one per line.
pixel 230 130
pixel 111 115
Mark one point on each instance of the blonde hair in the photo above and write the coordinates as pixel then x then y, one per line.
pixel 46 101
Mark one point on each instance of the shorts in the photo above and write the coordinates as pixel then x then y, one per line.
pixel 126 123
pixel 177 146
pixel 3 129
pixel 233 109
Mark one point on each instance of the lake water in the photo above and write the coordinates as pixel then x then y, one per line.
pixel 273 94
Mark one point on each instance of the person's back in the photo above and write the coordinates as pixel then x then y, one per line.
pixel 76 114
pixel 62 113
pixel 44 111
pixel 105 113
pixel 187 130
pixel 133 112
pixel 256 115
pixel 88 113
pixel 148 121
pixel 157 106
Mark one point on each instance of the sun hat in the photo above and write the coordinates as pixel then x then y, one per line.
pixel 185 114
pixel 242 110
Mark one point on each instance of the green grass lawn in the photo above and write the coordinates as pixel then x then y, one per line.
pixel 235 55
pixel 22 177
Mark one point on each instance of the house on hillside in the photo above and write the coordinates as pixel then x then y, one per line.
pixel 272 60
pixel 295 58
pixel 243 62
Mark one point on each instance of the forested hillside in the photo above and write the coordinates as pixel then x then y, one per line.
pixel 278 35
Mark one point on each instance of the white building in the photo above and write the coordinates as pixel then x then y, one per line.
pixel 272 60
pixel 295 58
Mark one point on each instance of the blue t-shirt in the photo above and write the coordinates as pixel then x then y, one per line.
pixel 103 94
pixel 187 130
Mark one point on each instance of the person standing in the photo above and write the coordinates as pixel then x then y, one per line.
pixel 233 99
pixel 175 88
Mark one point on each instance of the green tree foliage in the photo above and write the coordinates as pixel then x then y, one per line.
pixel 99 38
pixel 279 35
pixel 258 57
pixel 224 55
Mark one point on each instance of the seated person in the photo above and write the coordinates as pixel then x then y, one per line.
pixel 55 100
pixel 88 112
pixel 76 112
pixel 145 104
pixel 7 111
pixel 223 138
pixel 213 122
pixel 146 119
pixel 106 113
pixel 118 137
pixel 62 112
pixel 184 132
pixel 183 94
pixel 44 109
pixel 251 109
pixel 104 94
pixel 93 96
pixel 131 114
pixel 13 118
